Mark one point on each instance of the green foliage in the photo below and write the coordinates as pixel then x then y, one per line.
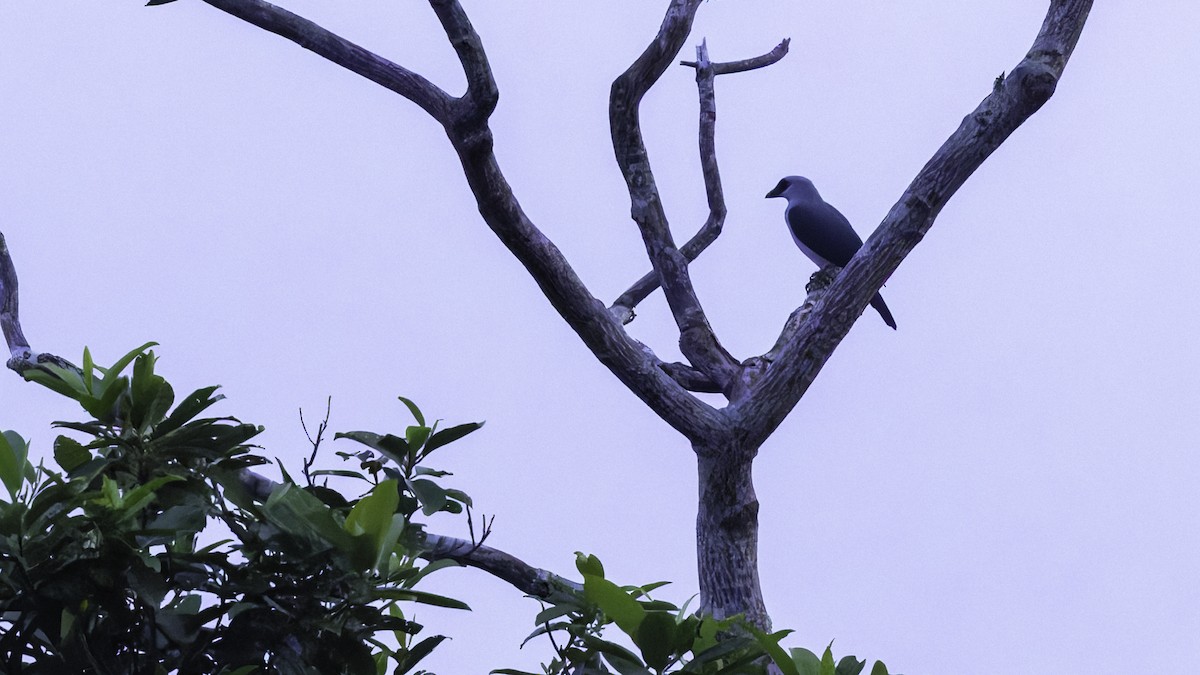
pixel 145 551
pixel 667 638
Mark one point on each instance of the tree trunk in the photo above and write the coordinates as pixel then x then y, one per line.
pixel 727 533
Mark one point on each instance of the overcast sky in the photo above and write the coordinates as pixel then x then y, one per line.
pixel 1008 483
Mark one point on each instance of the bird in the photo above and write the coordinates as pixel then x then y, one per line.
pixel 821 231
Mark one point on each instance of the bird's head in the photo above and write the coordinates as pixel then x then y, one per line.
pixel 794 188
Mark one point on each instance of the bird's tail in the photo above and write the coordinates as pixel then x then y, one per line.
pixel 881 307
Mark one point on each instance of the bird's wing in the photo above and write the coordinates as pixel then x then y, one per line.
pixel 820 229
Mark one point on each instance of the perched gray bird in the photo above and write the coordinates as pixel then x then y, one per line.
pixel 821 231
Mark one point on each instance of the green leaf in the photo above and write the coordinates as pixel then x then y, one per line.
pixel 343 473
pixel 111 374
pixel 110 493
pixel 447 436
pixel 623 660
pixel 416 436
pixel 55 382
pixel 850 665
pixel 807 663
pixel 879 669
pixel 421 597
pixel 645 590
pixel 69 454
pixel 392 447
pixel 551 613
pixel 304 516
pixel 827 665
pixel 418 652
pixel 706 635
pixel 14 456
pixel 374 516
pixel 770 644
pixel 88 366
pixel 459 495
pixel 430 569
pixel 614 602
pixel 655 637
pixel 431 496
pixel 412 408
pixel 138 498
pixel 101 408
pixel 151 395
pixel 194 404
pixel 589 564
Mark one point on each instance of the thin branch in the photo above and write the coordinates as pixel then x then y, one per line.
pixel 697 340
pixel 354 58
pixel 314 442
pixel 763 61
pixel 807 345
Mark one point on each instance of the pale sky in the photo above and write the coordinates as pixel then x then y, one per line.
pixel 1006 484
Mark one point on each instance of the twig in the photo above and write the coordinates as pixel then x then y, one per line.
pixel 316 443
pixel 763 61
pixel 487 529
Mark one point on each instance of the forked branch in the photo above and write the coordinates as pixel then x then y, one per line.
pixel 805 346
pixel 623 307
pixel 697 340
pixel 465 120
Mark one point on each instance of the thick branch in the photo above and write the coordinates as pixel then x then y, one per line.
pixel 808 344
pixel 691 379
pixel 482 94
pixel 354 58
pixel 524 577
pixel 697 339
pixel 10 316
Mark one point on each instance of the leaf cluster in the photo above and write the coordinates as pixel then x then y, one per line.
pixel 146 551
pixel 665 638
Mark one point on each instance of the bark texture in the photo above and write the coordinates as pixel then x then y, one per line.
pixel 727 533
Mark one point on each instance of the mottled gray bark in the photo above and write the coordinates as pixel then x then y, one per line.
pixel 10 316
pixel 761 390
pixel 727 532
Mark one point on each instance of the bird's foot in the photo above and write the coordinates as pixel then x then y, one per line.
pixel 822 278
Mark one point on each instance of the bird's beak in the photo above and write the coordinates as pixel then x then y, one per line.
pixel 777 192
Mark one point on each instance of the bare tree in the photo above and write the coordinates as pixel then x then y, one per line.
pixel 760 390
